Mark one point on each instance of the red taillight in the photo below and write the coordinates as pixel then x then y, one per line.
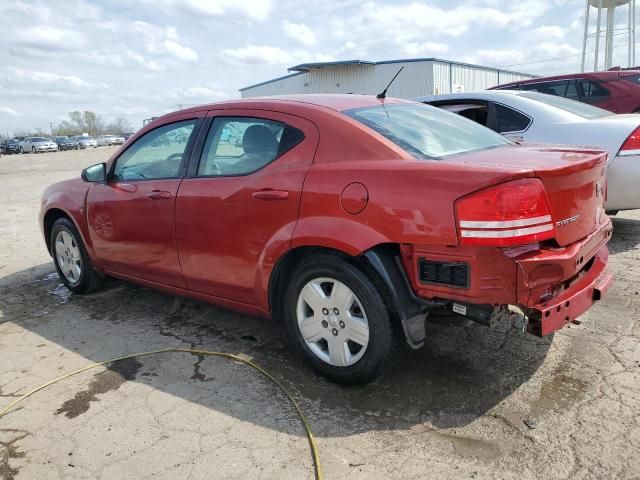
pixel 632 142
pixel 513 213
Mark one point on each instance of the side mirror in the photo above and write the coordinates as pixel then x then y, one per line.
pixel 95 173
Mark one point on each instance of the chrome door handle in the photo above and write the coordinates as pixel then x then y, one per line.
pixel 158 195
pixel 268 194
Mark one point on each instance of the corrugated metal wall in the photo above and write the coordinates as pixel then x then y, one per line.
pixel 418 78
pixel 447 76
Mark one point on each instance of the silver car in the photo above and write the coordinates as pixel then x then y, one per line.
pixel 38 145
pixel 86 142
pixel 539 118
pixel 106 140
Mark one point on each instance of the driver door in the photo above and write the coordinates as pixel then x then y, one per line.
pixel 131 216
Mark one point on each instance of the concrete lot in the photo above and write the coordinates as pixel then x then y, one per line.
pixel 455 409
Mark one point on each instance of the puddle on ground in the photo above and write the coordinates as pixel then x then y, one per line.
pixel 62 292
pixel 558 394
pixel 111 379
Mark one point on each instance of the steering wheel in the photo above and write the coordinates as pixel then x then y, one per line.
pixel 173 156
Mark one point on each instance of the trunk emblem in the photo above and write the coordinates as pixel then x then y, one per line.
pixel 567 221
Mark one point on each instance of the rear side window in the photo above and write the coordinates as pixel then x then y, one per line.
pixel 243 145
pixel 635 79
pixel 559 88
pixel 509 120
pixel 592 91
pixel 427 132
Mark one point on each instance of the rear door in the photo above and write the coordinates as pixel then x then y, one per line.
pixel 594 93
pixel 238 206
pixel 131 216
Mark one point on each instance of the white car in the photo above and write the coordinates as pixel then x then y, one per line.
pixel 86 142
pixel 105 140
pixel 540 118
pixel 37 145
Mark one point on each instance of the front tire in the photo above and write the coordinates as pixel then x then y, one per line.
pixel 337 318
pixel 71 259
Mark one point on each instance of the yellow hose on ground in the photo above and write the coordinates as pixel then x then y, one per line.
pixel 312 441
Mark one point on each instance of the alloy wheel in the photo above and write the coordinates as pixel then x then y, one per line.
pixel 68 256
pixel 332 322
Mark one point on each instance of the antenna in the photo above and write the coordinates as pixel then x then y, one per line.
pixel 383 94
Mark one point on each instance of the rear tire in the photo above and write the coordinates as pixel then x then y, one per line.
pixel 71 259
pixel 347 336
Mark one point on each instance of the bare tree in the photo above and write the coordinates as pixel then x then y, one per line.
pixel 82 122
pixel 119 125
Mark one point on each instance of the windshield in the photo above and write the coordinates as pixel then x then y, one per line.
pixel 577 108
pixel 87 138
pixel 38 139
pixel 427 132
pixel 11 141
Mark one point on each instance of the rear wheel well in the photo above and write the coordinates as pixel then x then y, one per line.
pixel 49 219
pixel 287 264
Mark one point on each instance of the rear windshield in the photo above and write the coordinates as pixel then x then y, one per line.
pixel 427 132
pixel 577 108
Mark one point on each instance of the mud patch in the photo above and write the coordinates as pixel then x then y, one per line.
pixel 8 450
pixel 483 450
pixel 558 393
pixel 103 382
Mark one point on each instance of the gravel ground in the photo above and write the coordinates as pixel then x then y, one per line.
pixel 474 403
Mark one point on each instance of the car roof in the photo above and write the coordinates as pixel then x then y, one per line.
pixel 607 75
pixel 338 102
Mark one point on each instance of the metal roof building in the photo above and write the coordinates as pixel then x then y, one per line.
pixel 421 76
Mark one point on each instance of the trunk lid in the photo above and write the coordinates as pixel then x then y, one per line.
pixel 574 180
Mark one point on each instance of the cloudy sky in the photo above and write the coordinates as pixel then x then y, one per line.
pixel 146 57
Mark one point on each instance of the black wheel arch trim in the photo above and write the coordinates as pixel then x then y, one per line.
pixel 412 310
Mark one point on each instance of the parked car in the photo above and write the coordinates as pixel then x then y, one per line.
pixel 126 136
pixel 536 117
pixel 9 146
pixel 107 140
pixel 344 216
pixel 86 142
pixel 617 91
pixel 66 143
pixel 37 145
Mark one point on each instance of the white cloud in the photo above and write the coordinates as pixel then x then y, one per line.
pixel 257 54
pixel 299 32
pixel 9 111
pixel 19 76
pixel 197 92
pixel 46 37
pixel 500 57
pixel 256 9
pixel 180 52
pixel 548 32
pixel 426 48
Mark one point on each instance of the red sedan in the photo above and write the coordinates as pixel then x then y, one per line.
pixel 348 217
pixel 615 90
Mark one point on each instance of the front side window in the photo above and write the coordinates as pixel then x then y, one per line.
pixel 509 120
pixel 243 145
pixel 155 155
pixel 427 132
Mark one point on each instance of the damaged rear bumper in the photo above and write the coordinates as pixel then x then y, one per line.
pixel 547 317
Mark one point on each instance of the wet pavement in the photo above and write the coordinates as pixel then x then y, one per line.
pixel 473 403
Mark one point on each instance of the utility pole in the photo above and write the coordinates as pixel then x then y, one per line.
pixel 51 127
